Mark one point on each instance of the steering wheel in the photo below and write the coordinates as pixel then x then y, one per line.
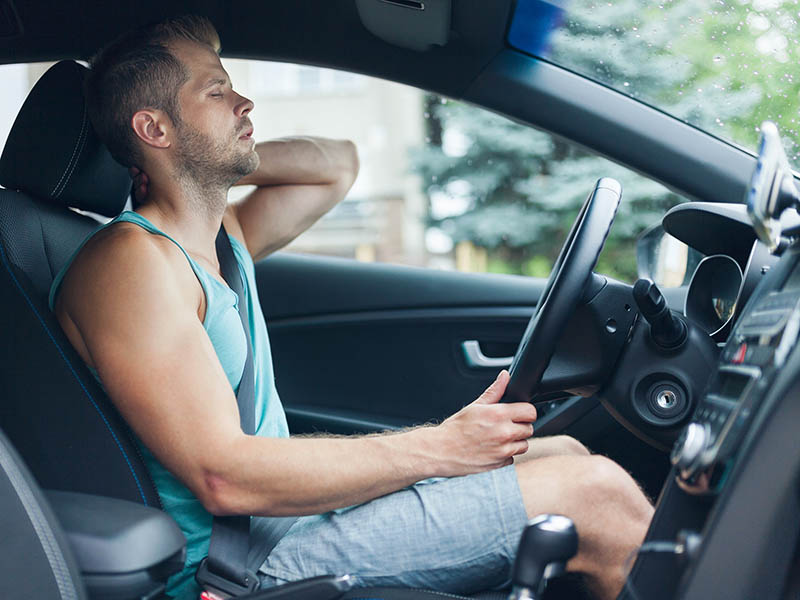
pixel 564 289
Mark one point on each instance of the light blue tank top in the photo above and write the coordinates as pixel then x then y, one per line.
pixel 224 328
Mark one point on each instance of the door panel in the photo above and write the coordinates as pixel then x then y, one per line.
pixel 381 345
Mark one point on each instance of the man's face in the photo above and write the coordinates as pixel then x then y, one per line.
pixel 214 136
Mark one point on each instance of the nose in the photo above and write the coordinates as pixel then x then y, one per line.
pixel 244 106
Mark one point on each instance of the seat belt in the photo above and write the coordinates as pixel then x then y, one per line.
pixel 225 569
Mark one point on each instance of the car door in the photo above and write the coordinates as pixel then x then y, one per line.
pixel 359 347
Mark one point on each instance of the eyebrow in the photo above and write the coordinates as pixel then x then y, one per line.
pixel 214 81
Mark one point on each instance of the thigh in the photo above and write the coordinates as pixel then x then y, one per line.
pixel 457 535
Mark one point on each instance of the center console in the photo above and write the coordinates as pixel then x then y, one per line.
pixel 756 350
pixel 735 484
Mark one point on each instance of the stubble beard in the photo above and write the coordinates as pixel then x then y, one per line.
pixel 209 167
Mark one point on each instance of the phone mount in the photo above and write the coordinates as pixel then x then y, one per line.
pixel 772 188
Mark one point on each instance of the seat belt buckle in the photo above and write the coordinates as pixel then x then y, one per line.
pixel 217 587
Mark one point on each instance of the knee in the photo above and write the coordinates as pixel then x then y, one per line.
pixel 611 487
pixel 568 445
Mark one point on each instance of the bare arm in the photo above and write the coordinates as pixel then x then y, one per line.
pixel 138 325
pixel 299 179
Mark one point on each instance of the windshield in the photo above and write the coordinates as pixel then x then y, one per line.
pixel 721 65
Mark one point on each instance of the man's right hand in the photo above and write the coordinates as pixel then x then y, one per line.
pixel 485 434
pixel 140 183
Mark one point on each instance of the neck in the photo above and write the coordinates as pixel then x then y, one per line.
pixel 188 211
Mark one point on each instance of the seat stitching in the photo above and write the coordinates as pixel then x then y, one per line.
pixel 72 370
pixel 73 160
pixel 84 138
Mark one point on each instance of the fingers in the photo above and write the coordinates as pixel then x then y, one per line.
pixel 522 431
pixel 517 448
pixel 140 182
pixel 520 412
pixel 495 391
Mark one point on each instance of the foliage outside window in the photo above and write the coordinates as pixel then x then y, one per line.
pixel 722 65
pixel 515 191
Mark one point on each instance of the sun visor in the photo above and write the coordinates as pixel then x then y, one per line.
pixel 413 24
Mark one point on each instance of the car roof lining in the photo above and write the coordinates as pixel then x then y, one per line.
pixel 475 65
pixel 332 35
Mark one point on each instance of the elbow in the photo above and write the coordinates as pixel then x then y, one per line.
pixel 222 497
pixel 216 494
pixel 350 163
pixel 355 163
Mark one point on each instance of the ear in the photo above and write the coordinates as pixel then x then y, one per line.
pixel 152 127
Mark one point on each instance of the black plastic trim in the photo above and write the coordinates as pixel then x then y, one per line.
pixel 419 314
pixel 678 155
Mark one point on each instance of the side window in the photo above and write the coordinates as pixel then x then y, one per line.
pixel 443 184
pixel 18 79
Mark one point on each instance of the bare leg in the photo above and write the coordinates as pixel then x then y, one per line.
pixel 609 510
pixel 555 445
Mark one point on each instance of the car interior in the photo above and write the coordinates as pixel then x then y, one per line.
pixel 701 409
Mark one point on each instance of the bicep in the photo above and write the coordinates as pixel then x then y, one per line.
pixel 160 369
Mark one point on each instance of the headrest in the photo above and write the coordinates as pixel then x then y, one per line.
pixel 54 154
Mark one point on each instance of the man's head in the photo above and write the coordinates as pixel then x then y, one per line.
pixel 160 92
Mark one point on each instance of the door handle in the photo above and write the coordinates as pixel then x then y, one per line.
pixel 477 359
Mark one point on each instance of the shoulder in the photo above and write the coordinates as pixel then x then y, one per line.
pixel 125 250
pixel 124 265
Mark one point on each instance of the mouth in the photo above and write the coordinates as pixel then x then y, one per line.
pixel 247 135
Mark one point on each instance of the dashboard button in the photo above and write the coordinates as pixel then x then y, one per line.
pixel 739 355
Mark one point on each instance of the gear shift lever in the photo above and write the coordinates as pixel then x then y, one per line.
pixel 547 543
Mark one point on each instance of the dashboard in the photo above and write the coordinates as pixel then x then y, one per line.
pixel 735 482
pixel 757 348
pixel 732 264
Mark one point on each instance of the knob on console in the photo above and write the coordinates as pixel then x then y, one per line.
pixel 689 447
pixel 547 543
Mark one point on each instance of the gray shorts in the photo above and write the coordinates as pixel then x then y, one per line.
pixel 457 535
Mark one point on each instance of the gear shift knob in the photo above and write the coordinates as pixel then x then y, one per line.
pixel 547 543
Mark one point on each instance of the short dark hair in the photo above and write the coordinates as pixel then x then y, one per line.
pixel 138 71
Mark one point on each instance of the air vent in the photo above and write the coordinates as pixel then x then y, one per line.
pixel 10 25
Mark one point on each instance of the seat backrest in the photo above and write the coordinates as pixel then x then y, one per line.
pixel 37 561
pixel 52 408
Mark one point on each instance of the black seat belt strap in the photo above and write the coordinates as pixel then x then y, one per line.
pixel 226 568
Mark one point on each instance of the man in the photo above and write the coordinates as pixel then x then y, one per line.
pixel 144 305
